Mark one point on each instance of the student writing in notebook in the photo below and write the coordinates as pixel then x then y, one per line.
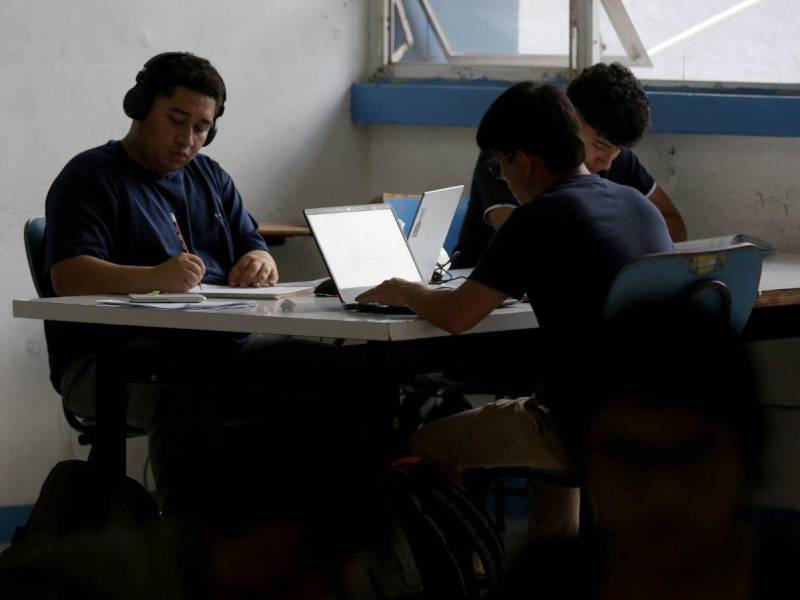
pixel 109 230
pixel 614 114
pixel 111 208
pixel 562 247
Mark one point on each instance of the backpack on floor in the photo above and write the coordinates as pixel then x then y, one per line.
pixel 76 499
pixel 455 546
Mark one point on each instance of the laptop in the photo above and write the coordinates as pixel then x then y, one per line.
pixel 431 224
pixel 362 246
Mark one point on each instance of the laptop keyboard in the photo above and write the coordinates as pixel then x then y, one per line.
pixel 375 307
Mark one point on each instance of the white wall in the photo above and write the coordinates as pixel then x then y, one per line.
pixel 286 138
pixel 721 184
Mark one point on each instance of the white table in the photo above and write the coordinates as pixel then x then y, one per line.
pixel 300 316
pixel 324 317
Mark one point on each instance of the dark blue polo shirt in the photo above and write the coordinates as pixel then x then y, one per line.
pixel 487 192
pixel 564 248
pixel 103 204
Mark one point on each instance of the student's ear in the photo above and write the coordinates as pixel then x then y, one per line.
pixel 530 163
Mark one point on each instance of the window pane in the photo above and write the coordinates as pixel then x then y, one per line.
pixel 751 41
pixel 544 27
pixel 477 26
pixel 489 28
pixel 757 44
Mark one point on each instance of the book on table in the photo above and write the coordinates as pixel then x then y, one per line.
pixel 724 241
pixel 251 293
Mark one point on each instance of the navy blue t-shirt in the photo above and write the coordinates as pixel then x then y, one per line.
pixel 104 205
pixel 488 192
pixel 564 248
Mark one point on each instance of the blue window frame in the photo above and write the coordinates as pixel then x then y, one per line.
pixel 449 76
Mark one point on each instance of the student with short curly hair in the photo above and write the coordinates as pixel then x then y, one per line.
pixel 615 114
pixel 611 101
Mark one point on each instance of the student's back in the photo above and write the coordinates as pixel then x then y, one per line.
pixel 564 248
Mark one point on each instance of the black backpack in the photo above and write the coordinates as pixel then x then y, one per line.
pixel 446 532
pixel 76 499
pixel 56 554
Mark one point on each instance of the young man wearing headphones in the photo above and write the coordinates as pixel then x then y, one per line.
pixel 111 207
pixel 562 248
pixel 615 114
pixel 110 230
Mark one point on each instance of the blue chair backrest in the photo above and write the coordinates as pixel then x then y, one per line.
pixel 405 208
pixel 721 282
pixel 33 234
pixel 453 234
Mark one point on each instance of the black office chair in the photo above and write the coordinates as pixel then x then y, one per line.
pixel 33 234
pixel 34 249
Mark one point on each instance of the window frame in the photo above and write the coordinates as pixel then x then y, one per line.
pixel 584 44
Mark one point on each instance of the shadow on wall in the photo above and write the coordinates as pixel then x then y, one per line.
pixel 327 169
pixel 299 260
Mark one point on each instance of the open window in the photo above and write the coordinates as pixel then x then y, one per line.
pixel 683 42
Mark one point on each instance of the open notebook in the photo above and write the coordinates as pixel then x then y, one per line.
pixel 724 241
pixel 251 293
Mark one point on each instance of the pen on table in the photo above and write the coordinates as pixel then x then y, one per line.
pixel 184 247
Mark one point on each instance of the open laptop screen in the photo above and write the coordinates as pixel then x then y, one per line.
pixel 362 245
pixel 431 224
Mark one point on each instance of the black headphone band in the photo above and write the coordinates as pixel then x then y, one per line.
pixel 150 67
pixel 139 99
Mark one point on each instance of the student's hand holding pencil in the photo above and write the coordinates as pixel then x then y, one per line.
pixel 180 273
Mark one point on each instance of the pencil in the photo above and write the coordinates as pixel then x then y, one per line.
pixel 184 247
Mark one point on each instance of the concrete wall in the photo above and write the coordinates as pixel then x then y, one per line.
pixel 286 138
pixel 721 184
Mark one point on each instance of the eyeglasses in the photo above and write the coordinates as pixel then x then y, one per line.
pixel 495 167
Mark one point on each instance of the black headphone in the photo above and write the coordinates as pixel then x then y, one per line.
pixel 139 99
